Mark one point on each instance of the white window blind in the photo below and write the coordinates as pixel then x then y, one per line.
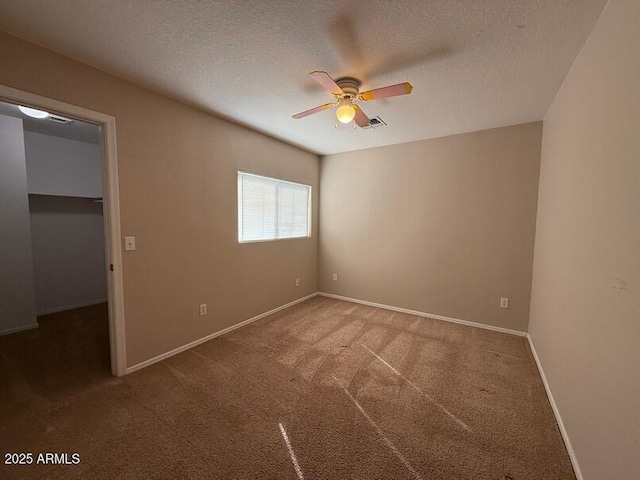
pixel 270 209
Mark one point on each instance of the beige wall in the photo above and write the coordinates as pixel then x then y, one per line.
pixel 177 168
pixel 585 307
pixel 443 226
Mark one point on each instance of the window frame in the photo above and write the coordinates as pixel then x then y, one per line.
pixel 240 206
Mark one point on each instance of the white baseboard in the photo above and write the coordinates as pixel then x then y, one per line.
pixel 72 307
pixel 175 351
pixel 19 329
pixel 556 412
pixel 429 315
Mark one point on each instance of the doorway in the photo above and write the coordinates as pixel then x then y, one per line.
pixel 95 199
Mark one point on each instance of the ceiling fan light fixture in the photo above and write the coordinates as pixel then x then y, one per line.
pixel 345 113
pixel 32 112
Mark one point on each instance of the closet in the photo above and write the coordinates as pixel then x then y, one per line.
pixel 52 241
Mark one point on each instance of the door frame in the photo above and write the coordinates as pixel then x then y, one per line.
pixel 111 210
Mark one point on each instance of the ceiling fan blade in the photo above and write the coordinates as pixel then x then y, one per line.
pixel 417 55
pixel 384 92
pixel 306 113
pixel 361 118
pixel 327 82
pixel 344 33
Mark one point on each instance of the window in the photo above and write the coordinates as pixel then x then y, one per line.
pixel 271 209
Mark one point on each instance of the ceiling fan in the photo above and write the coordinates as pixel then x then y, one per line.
pixel 346 91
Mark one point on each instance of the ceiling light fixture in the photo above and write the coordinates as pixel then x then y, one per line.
pixel 32 112
pixel 345 112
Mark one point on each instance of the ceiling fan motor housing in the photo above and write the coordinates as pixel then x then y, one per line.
pixel 350 86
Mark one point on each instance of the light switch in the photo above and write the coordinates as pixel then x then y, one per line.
pixel 129 243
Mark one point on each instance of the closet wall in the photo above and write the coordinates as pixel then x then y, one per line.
pixel 64 180
pixel 17 300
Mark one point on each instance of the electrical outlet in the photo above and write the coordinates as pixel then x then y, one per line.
pixel 335 277
pixel 297 282
pixel 203 309
pixel 504 302
pixel 129 243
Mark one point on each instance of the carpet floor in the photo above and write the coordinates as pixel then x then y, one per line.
pixel 325 389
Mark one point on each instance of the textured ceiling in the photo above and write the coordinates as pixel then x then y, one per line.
pixel 473 64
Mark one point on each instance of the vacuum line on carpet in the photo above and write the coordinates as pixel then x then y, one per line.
pixel 292 454
pixel 378 430
pixel 417 389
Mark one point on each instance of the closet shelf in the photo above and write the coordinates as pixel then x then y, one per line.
pixel 86 197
